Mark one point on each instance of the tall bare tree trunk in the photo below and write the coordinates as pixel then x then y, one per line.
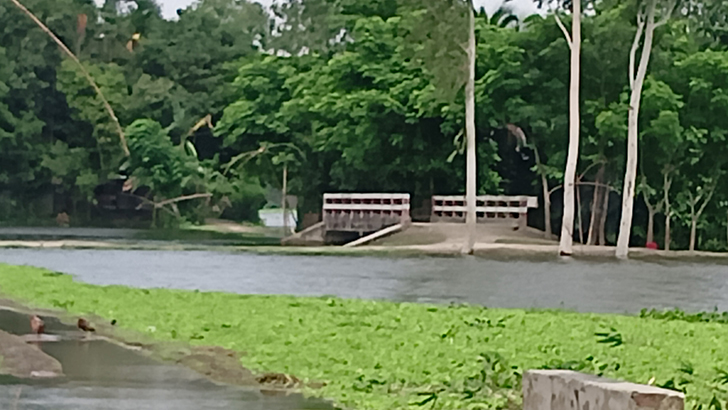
pixel 471 176
pixel 567 223
pixel 693 231
pixel 636 82
pixel 603 222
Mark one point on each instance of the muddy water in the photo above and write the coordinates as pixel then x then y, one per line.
pixel 101 375
pixel 584 285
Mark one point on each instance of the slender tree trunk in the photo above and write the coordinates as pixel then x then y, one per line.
pixel 591 238
pixel 667 182
pixel 652 210
pixel 603 222
pixel 567 223
pixel 630 175
pixel 693 232
pixel 284 202
pixel 596 207
pixel 650 223
pixel 471 176
pixel 695 214
pixel 546 196
pixel 668 219
pixel 546 207
pixel 578 213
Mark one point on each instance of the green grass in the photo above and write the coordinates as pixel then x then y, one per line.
pixel 383 355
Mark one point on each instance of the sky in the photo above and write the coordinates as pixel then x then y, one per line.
pixel 169 7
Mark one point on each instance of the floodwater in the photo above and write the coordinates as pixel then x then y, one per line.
pixel 101 375
pixel 576 284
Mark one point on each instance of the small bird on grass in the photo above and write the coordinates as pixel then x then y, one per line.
pixel 37 325
pixel 84 325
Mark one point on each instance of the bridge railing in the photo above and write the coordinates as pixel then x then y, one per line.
pixel 453 208
pixel 364 212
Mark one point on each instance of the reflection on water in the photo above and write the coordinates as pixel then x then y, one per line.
pixel 101 375
pixel 584 285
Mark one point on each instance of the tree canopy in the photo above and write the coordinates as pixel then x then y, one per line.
pixel 345 95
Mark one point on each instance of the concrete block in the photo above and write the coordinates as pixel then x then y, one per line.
pixel 568 390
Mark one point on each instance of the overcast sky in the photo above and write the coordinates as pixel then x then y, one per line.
pixel 169 7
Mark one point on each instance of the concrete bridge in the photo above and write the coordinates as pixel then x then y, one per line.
pixel 354 219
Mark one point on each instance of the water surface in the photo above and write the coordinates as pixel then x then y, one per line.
pixel 583 285
pixel 101 375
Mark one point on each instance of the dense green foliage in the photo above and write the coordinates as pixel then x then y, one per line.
pixel 377 355
pixel 344 95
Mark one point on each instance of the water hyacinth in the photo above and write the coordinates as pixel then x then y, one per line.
pixel 386 355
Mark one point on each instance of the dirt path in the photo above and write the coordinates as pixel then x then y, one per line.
pixel 21 358
pixel 222 225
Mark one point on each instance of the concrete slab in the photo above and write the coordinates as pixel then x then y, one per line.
pixel 568 390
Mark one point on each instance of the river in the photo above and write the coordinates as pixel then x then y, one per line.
pixel 575 284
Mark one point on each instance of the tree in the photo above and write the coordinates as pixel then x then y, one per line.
pixel 88 106
pixel 471 184
pixel 73 171
pixel 442 40
pixel 603 116
pixel 703 78
pixel 32 112
pixel 664 138
pixel 88 77
pixel 305 26
pixel 155 162
pixel 527 89
pixel 574 41
pixel 646 24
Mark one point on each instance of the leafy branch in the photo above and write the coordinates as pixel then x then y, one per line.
pixel 86 74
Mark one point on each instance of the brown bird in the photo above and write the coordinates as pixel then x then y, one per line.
pixel 37 325
pixel 84 325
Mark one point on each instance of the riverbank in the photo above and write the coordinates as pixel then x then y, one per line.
pixel 375 355
pixel 420 239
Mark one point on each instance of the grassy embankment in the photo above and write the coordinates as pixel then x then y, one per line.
pixel 383 355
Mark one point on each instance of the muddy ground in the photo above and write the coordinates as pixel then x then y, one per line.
pixel 24 360
pixel 20 358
